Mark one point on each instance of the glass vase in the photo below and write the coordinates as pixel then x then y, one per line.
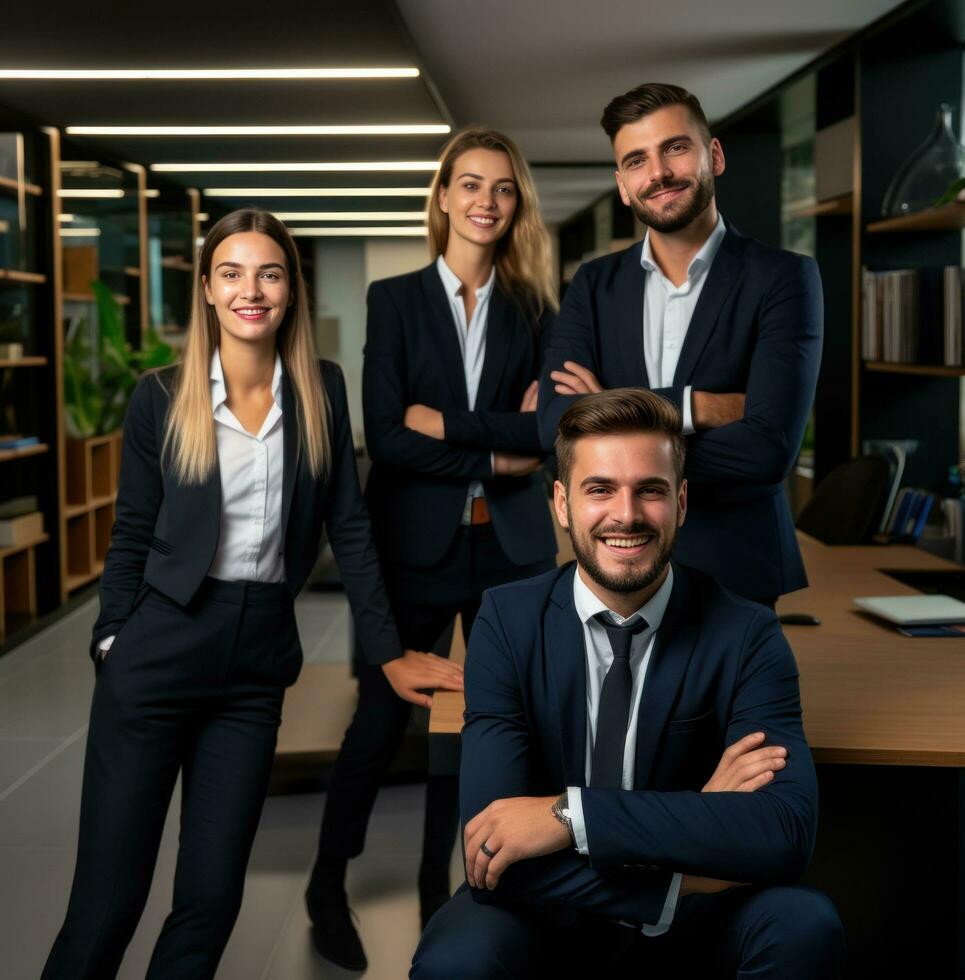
pixel 922 179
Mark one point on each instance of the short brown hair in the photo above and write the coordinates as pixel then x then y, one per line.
pixel 615 412
pixel 649 97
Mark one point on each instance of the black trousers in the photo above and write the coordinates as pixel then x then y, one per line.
pixel 195 690
pixel 424 603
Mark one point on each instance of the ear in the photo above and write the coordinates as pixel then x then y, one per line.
pixel 443 199
pixel 718 163
pixel 207 291
pixel 682 503
pixel 624 196
pixel 559 504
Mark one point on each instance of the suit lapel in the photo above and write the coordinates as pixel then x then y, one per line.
pixel 629 285
pixel 721 277
pixel 443 329
pixel 565 659
pixel 671 655
pixel 499 338
pixel 291 451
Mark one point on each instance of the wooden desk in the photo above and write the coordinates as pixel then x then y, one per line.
pixel 871 696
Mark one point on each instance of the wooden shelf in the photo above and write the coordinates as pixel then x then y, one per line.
pixel 89 298
pixel 76 581
pixel 7 454
pixel 22 362
pixel 31 543
pixel 29 278
pixel 951 217
pixel 7 183
pixel 176 262
pixel 74 510
pixel 933 370
pixel 835 206
pixel 132 270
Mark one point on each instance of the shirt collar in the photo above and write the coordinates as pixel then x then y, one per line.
pixel 453 286
pixel 219 389
pixel 702 260
pixel 589 605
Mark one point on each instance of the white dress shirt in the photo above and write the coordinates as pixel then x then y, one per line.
pixel 249 544
pixel 472 344
pixel 250 548
pixel 667 312
pixel 599 656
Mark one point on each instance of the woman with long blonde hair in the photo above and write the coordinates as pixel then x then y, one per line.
pixel 449 394
pixel 232 462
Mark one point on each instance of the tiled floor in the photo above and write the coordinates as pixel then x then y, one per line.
pixel 45 688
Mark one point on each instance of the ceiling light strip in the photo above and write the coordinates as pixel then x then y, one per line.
pixel 80 232
pixel 386 166
pixel 350 215
pixel 256 192
pixel 374 232
pixel 103 193
pixel 428 129
pixel 173 74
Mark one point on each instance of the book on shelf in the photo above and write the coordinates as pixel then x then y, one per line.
pixel 11 352
pixel 910 514
pixel 16 531
pixel 18 442
pixel 952 320
pixel 905 315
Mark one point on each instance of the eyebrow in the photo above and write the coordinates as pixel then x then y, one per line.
pixel 648 481
pixel 683 137
pixel 500 180
pixel 238 265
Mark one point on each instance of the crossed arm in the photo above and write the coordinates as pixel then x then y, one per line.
pixel 753 821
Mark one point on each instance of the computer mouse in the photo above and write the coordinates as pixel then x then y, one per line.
pixel 798 619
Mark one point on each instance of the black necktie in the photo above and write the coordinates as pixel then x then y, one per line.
pixel 614 714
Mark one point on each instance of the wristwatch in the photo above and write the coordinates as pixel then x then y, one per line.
pixel 561 811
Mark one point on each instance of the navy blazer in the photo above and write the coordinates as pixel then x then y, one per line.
pixel 418 485
pixel 757 329
pixel 165 533
pixel 720 669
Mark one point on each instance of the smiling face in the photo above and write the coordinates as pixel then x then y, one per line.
pixel 481 197
pixel 249 286
pixel 666 168
pixel 622 506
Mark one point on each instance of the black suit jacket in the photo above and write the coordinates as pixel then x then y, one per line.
pixel 166 534
pixel 720 669
pixel 757 329
pixel 417 487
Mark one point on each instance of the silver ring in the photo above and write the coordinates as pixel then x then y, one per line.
pixel 484 847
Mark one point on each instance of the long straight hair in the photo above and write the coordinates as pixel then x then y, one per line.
pixel 523 265
pixel 189 438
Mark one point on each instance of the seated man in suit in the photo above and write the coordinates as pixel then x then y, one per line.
pixel 636 787
pixel 727 328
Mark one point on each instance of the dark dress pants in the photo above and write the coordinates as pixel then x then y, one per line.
pixel 424 603
pixel 768 933
pixel 195 691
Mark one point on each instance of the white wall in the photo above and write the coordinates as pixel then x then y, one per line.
pixel 343 271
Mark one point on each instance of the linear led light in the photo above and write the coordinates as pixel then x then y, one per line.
pixel 434 129
pixel 203 216
pixel 89 192
pixel 79 232
pixel 167 74
pixel 392 166
pixel 152 192
pixel 315 191
pixel 65 217
pixel 350 215
pixel 360 232
pixel 79 164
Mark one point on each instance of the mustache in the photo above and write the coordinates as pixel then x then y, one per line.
pixel 667 185
pixel 627 532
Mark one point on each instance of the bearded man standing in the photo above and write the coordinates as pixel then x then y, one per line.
pixel 726 328
pixel 633 749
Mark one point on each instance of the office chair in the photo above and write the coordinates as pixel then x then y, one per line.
pixel 848 503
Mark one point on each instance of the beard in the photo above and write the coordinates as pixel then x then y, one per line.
pixel 632 579
pixel 683 212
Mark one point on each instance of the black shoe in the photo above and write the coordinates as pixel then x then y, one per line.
pixel 334 934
